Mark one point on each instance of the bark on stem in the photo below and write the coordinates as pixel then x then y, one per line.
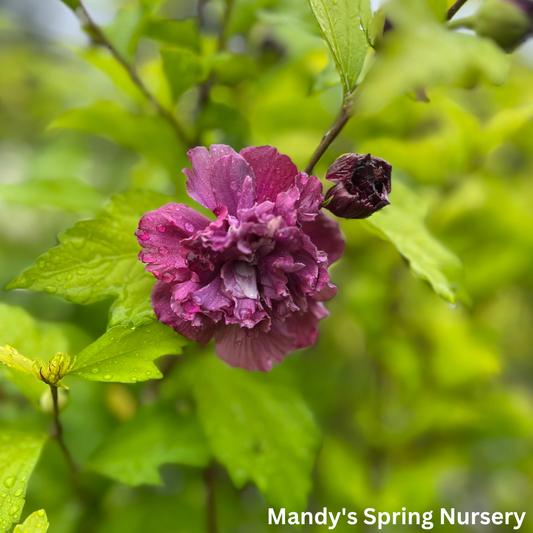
pixel 456 7
pixel 210 500
pixel 331 135
pixel 59 433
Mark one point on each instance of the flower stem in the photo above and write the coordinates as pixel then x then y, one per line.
pixel 210 502
pixel 59 433
pixel 331 135
pixel 456 7
pixel 101 38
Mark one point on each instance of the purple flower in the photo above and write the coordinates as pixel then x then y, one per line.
pixel 362 186
pixel 255 278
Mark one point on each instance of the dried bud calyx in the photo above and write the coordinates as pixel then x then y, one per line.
pixel 362 186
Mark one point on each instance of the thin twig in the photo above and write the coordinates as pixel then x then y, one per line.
pixel 163 111
pixel 59 433
pixel 456 7
pixel 331 135
pixel 204 89
pixel 210 502
pixel 223 30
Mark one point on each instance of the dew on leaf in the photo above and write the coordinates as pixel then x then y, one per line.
pixel 9 481
pixel 14 510
pixel 95 370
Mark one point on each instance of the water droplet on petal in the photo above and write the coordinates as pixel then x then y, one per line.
pixel 160 228
pixel 95 370
pixel 108 377
pixel 134 379
pixel 189 227
pixel 9 481
pixel 18 492
pixel 40 512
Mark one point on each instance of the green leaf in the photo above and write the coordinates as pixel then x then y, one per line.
pixel 104 61
pixel 125 353
pixel 261 431
pixel 340 24
pixel 182 33
pixel 421 53
pixel 35 523
pixel 73 4
pixel 97 259
pixel 19 451
pixel 231 69
pixel 402 223
pixel 156 436
pixel 37 339
pixel 67 194
pixel 183 69
pixel 125 30
pixel 149 135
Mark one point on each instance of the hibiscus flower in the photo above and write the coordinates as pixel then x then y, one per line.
pixel 255 278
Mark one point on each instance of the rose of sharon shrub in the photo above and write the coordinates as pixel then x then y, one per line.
pixel 255 278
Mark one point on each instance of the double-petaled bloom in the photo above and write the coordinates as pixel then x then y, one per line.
pixel 255 278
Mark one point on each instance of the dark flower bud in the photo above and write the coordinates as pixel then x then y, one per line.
pixel 362 186
pixel 508 22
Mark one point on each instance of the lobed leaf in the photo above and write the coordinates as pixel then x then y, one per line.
pixel 97 259
pixel 260 431
pixel 149 135
pixel 35 523
pixel 19 452
pixel 67 194
pixel 183 69
pixel 340 25
pixel 156 436
pixel 402 223
pixel 125 353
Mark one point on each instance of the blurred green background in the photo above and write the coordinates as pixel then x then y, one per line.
pixel 421 403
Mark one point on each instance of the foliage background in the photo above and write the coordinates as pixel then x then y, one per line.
pixel 420 403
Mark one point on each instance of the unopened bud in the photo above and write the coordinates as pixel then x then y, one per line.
pixel 362 186
pixel 508 22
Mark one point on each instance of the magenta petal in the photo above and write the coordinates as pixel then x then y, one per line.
pixel 228 179
pixel 252 350
pixel 326 236
pixel 259 350
pixel 161 302
pixel 160 232
pixel 311 197
pixel 200 185
pixel 274 173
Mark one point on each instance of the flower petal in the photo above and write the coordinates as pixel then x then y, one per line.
pixel 274 173
pixel 217 177
pixel 161 302
pixel 228 180
pixel 160 232
pixel 326 236
pixel 259 350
